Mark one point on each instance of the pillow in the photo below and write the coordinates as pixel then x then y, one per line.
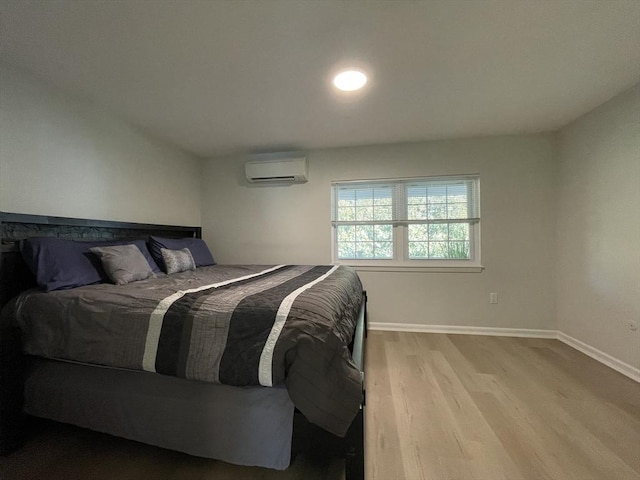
pixel 123 263
pixel 142 246
pixel 198 248
pixel 178 260
pixel 59 263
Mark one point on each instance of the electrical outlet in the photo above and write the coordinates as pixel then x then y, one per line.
pixel 632 325
pixel 493 298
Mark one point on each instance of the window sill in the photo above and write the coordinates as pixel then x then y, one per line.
pixel 418 269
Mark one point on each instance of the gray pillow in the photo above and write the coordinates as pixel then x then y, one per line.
pixel 123 263
pixel 178 260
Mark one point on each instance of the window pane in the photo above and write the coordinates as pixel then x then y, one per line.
pixel 346 233
pixel 382 196
pixel 364 250
pixel 365 242
pixel 438 250
pixel 383 250
pixel 364 204
pixel 346 250
pixel 382 213
pixel 459 250
pixel 439 241
pixel 457 190
pixel 364 214
pixel 440 200
pixel 383 233
pixel 416 194
pixel 417 212
pixel 457 210
pixel 438 232
pixel 437 194
pixel 418 250
pixel 437 211
pixel 418 233
pixel 346 196
pixel 364 233
pixel 458 231
pixel 346 214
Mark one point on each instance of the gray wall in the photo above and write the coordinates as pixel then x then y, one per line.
pixel 518 197
pixel 599 228
pixel 60 156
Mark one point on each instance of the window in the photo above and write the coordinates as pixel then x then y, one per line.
pixel 424 222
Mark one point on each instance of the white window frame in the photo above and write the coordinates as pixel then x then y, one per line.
pixel 401 260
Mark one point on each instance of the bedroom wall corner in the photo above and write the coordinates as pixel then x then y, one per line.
pixel 598 228
pixel 62 156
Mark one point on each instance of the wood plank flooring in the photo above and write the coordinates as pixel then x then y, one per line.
pixel 489 408
pixel 442 407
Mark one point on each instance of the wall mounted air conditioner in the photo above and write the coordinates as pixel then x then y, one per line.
pixel 277 171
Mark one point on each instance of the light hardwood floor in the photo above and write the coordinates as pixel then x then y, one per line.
pixel 443 407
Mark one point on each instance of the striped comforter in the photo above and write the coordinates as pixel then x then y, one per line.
pixel 237 325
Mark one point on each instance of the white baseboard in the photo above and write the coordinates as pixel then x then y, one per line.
pixel 624 368
pixel 454 329
pixel 612 362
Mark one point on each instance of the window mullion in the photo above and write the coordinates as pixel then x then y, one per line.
pixel 400 229
pixel 400 237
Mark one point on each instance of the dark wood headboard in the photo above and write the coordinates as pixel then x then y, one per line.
pixel 15 277
pixel 14 227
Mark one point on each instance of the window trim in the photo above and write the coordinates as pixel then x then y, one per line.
pixel 401 261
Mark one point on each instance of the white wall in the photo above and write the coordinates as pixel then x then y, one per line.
pixel 599 228
pixel 60 156
pixel 292 225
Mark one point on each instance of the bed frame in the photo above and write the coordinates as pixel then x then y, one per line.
pixel 15 277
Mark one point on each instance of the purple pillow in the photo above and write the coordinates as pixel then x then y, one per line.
pixel 58 263
pixel 198 248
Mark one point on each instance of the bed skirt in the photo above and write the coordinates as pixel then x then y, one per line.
pixel 246 426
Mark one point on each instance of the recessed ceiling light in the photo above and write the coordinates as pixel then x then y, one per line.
pixel 350 80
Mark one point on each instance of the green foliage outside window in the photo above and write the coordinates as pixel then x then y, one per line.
pixel 437 217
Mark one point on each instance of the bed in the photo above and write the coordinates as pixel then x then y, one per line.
pixel 135 359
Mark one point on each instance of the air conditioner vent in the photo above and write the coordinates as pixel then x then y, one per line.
pixel 277 171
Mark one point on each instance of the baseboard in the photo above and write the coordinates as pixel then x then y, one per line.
pixel 618 365
pixel 604 358
pixel 454 329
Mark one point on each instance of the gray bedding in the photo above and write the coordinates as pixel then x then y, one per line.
pixel 235 325
pixel 242 425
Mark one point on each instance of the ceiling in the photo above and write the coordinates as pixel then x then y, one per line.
pixel 220 77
